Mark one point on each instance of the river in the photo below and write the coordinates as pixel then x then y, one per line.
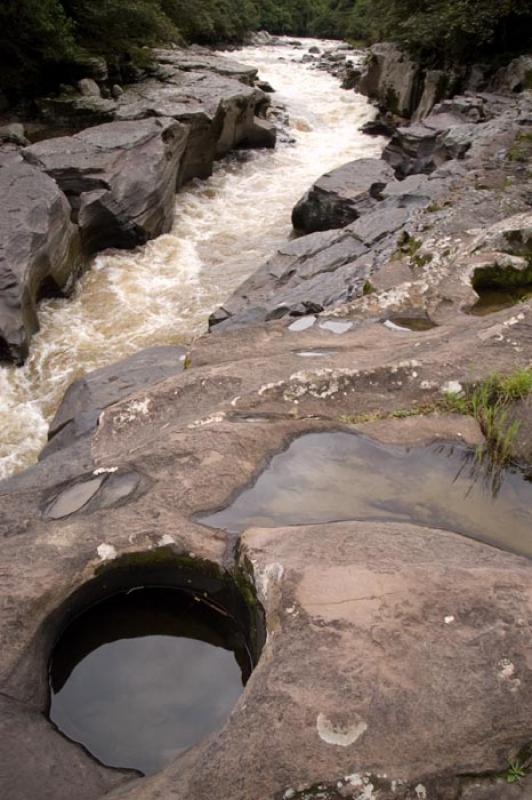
pixel 163 292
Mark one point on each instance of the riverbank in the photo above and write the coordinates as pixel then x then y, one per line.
pixel 324 453
pixel 163 293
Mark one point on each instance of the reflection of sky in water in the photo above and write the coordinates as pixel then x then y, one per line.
pixel 340 476
pixel 137 702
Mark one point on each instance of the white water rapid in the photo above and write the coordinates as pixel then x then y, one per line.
pixel 163 292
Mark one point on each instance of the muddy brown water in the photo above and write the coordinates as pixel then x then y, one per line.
pixel 144 675
pixel 331 477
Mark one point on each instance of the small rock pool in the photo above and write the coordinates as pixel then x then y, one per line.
pixel 333 477
pixel 145 674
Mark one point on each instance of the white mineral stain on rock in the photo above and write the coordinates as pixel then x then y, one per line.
pixel 214 418
pixel 339 734
pixel 393 327
pixel 106 552
pixel 105 470
pixel 452 387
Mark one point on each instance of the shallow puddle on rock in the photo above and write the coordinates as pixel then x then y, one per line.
pixel 73 499
pixel 144 675
pixel 327 477
pixel 416 324
pixel 302 324
pixel 492 300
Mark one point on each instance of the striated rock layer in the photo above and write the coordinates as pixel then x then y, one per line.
pixel 119 177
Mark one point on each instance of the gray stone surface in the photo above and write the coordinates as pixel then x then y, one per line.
pixel 392 79
pixel 120 179
pixel 87 397
pixel 39 252
pixel 341 196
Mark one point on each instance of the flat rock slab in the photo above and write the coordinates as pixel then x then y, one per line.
pixel 315 271
pixel 39 252
pixel 86 398
pixel 341 196
pixel 380 635
pixel 120 178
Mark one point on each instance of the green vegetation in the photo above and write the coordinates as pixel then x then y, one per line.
pixel 489 402
pixel 441 32
pixel 516 770
pixel 521 149
pixel 43 41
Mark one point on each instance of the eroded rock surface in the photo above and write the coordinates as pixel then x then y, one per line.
pixel 341 196
pixel 120 179
pixel 39 252
pixel 86 398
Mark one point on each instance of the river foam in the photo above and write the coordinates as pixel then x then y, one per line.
pixel 163 292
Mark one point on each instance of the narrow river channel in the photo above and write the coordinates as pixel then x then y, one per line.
pixel 225 228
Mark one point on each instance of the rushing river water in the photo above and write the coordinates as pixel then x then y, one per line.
pixel 224 229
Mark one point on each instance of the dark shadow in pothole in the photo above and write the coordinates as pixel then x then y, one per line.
pixel 492 300
pixel 499 288
pixel 332 477
pixel 152 667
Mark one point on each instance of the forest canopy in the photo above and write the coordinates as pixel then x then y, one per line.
pixel 40 39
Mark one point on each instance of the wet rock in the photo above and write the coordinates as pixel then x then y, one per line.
pixel 120 179
pixel 89 88
pixel 214 97
pixel 341 196
pixel 13 133
pixel 435 84
pixel 87 397
pixel 516 76
pixel 116 91
pixel 262 134
pixel 199 59
pixel 392 79
pixel 39 252
pixel 314 271
pixel 10 154
pixel 71 109
pixel 423 147
pixel 264 86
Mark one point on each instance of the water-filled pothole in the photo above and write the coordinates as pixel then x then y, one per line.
pixel 499 287
pixel 146 673
pixel 328 477
pixel 492 300
pixel 416 324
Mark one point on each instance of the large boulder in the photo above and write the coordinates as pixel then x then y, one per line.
pixel 39 252
pixel 212 96
pixel 341 196
pixel 87 397
pixel 392 79
pixel 120 179
pixel 316 271
pixel 426 145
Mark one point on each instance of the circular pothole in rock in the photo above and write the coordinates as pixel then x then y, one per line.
pixel 146 673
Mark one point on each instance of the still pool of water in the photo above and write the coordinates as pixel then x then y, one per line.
pixel 331 477
pixel 492 300
pixel 144 675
